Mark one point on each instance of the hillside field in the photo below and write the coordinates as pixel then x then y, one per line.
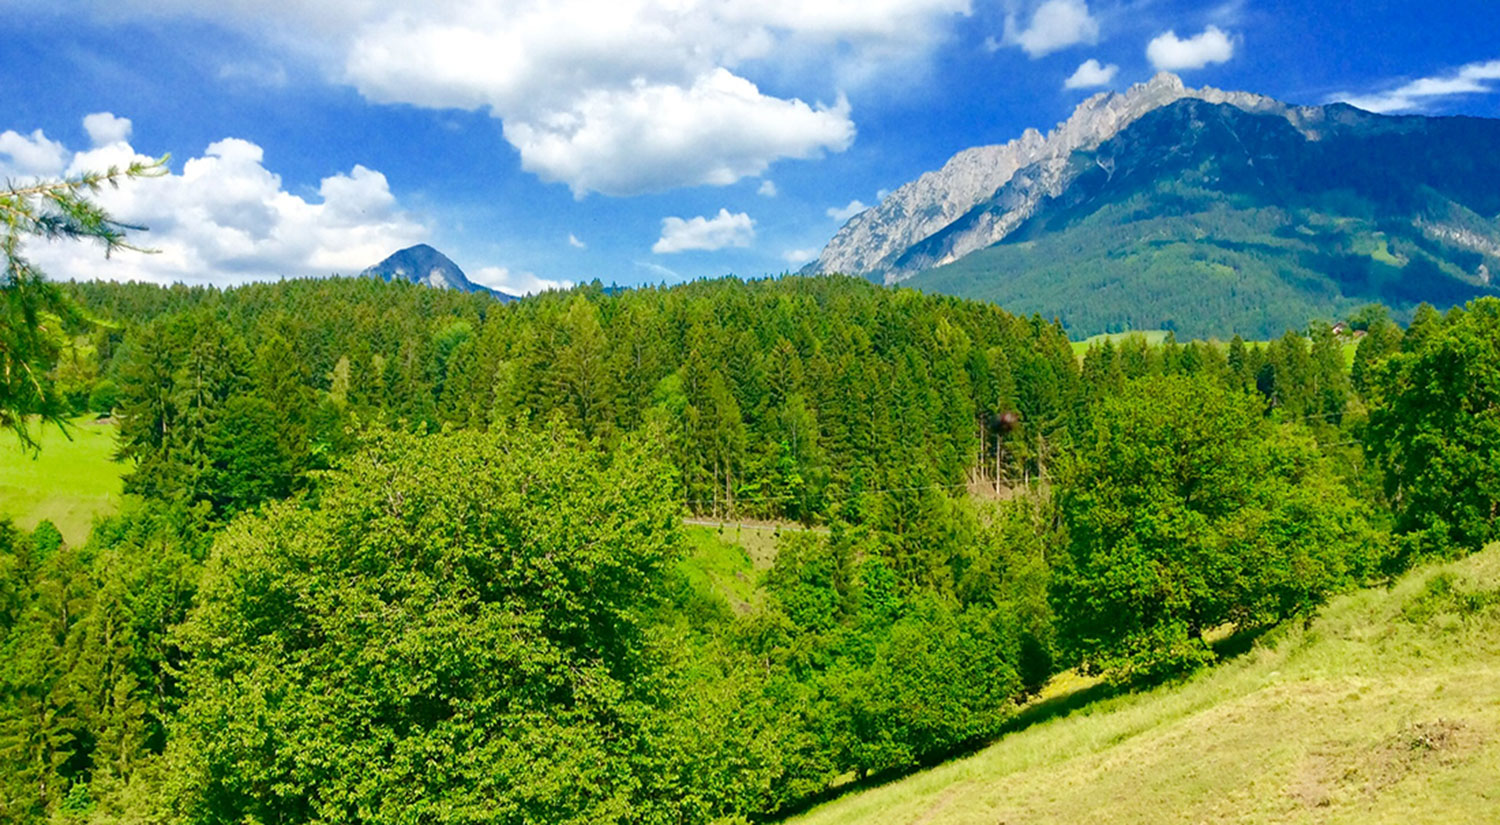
pixel 1383 710
pixel 70 482
pixel 1156 337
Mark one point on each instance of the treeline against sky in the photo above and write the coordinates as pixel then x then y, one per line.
pixel 781 399
pixel 405 555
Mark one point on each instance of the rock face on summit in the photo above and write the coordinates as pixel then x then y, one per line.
pixel 421 264
pixel 872 241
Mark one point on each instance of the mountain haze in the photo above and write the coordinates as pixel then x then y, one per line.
pixel 1205 211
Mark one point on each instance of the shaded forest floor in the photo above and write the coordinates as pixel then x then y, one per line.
pixel 1385 709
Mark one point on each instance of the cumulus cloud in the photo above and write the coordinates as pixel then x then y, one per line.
pixel 1091 74
pixel 707 234
pixel 575 243
pixel 767 189
pixel 104 128
pixel 514 283
pixel 1055 25
pixel 844 213
pixel 657 136
pixel 581 84
pixel 227 218
pixel 30 156
pixel 1169 53
pixel 1474 78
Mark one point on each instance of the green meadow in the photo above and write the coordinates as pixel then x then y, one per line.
pixel 1156 337
pixel 70 481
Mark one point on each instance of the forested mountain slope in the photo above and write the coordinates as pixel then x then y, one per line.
pixel 1209 212
pixel 1212 220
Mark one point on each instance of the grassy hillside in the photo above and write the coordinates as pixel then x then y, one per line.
pixel 69 482
pixel 1154 337
pixel 1384 710
pixel 718 562
pixel 729 558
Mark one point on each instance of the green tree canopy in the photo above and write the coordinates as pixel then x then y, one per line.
pixel 1186 509
pixel 451 630
pixel 1435 430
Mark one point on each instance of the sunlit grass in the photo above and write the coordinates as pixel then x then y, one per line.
pixel 1154 337
pixel 69 482
pixel 718 564
pixel 1384 710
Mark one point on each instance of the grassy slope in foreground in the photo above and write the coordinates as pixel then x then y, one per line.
pixel 1385 710
pixel 69 482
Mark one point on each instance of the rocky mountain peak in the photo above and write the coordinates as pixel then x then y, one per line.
pixel 422 264
pixel 872 240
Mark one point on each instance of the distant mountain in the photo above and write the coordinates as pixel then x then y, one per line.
pixel 1205 211
pixel 421 264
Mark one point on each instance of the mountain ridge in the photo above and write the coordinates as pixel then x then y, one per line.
pixel 915 210
pixel 1213 213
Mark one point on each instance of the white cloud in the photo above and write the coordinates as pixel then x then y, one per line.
pixel 708 234
pixel 582 85
pixel 1091 74
pixel 575 243
pixel 658 136
pixel 798 257
pixel 30 157
pixel 1169 53
pixel 767 189
pixel 1055 25
pixel 1475 78
pixel 880 194
pixel 226 218
pixel 515 283
pixel 844 213
pixel 104 128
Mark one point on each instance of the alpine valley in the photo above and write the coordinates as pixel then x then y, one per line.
pixel 1207 212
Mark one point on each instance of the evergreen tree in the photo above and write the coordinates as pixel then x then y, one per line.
pixel 33 311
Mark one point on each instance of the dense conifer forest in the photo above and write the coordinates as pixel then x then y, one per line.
pixel 396 554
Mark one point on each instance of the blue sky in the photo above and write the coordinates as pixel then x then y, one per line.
pixel 626 140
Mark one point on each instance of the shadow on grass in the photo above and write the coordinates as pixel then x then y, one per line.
pixel 1060 706
pixel 1239 643
pixel 1034 713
